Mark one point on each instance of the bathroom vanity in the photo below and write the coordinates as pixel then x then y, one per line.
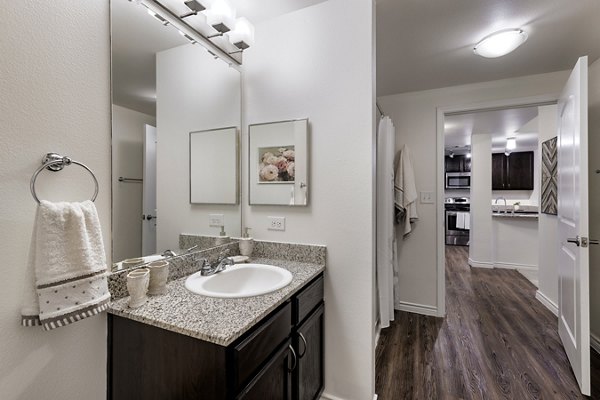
pixel 186 346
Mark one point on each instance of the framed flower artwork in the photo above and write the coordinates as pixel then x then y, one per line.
pixel 278 163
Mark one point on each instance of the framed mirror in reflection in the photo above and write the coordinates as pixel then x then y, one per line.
pixel 165 87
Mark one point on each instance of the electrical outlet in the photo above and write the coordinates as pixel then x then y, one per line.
pixel 216 219
pixel 277 223
pixel 427 197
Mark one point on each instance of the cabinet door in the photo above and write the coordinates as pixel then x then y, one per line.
pixel 274 380
pixel 466 164
pixel 453 164
pixel 308 341
pixel 498 171
pixel 520 170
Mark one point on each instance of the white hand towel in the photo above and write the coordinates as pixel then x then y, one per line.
pixel 405 190
pixel 67 266
pixel 468 221
pixel 460 220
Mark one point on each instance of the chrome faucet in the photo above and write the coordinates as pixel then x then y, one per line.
pixel 221 264
pixel 170 253
pixel 505 205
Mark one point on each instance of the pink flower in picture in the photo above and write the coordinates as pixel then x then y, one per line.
pixel 276 164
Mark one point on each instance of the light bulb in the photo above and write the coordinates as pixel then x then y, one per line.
pixel 242 36
pixel 221 16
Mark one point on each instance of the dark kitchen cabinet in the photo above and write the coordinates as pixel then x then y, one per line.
pixel 281 357
pixel 513 172
pixel 458 163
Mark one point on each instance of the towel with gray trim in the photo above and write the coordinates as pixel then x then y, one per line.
pixel 66 267
pixel 405 191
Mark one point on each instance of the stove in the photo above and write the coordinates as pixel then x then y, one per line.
pixel 458 221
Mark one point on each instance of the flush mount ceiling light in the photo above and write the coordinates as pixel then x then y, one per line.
pixel 511 143
pixel 500 43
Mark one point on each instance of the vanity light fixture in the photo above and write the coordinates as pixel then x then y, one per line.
pixel 242 36
pixel 157 17
pixel 500 43
pixel 511 143
pixel 221 16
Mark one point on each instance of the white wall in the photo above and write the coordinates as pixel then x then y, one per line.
pixel 594 143
pixel 414 115
pixel 481 252
pixel 195 92
pixel 548 224
pixel 127 161
pixel 54 96
pixel 312 63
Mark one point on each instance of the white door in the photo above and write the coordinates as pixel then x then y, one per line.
pixel 149 195
pixel 573 214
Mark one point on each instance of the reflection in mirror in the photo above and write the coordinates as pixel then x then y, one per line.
pixel 278 163
pixel 214 151
pixel 163 88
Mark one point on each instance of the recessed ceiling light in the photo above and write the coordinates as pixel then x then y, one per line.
pixel 500 43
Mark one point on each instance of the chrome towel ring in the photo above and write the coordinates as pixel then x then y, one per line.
pixel 56 162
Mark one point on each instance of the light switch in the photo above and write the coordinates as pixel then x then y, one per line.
pixel 427 197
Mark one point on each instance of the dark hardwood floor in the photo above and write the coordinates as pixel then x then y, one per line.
pixel 496 342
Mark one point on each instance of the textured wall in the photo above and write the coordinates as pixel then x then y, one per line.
pixel 54 96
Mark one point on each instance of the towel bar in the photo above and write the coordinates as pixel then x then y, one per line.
pixel 56 162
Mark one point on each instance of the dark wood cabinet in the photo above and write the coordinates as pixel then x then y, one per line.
pixel 281 357
pixel 513 172
pixel 308 376
pixel 274 380
pixel 458 163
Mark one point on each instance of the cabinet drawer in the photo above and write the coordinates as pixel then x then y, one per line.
pixel 253 351
pixel 307 300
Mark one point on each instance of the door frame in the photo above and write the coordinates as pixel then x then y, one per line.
pixel 442 112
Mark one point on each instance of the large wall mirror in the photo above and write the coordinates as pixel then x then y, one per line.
pixel 163 88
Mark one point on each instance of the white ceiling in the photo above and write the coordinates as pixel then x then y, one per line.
pixel 137 37
pixel 501 124
pixel 426 44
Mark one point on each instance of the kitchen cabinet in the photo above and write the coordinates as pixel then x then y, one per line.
pixel 513 172
pixel 281 357
pixel 458 163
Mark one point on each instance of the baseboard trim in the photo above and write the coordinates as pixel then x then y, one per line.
pixel 480 264
pixel 595 342
pixel 525 267
pixel 550 305
pixel 326 396
pixel 417 308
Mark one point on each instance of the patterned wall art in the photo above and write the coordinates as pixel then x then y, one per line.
pixel 549 177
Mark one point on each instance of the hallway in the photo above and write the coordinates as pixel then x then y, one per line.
pixel 497 342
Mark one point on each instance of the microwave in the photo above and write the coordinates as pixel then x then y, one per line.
pixel 458 180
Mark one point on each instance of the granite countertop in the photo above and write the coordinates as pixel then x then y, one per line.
pixel 216 320
pixel 516 215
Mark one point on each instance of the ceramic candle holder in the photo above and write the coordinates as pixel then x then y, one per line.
pixel 137 286
pixel 159 272
pixel 246 246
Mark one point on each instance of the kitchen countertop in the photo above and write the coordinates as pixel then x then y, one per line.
pixel 216 320
pixel 515 215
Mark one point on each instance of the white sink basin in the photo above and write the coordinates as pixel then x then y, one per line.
pixel 241 280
